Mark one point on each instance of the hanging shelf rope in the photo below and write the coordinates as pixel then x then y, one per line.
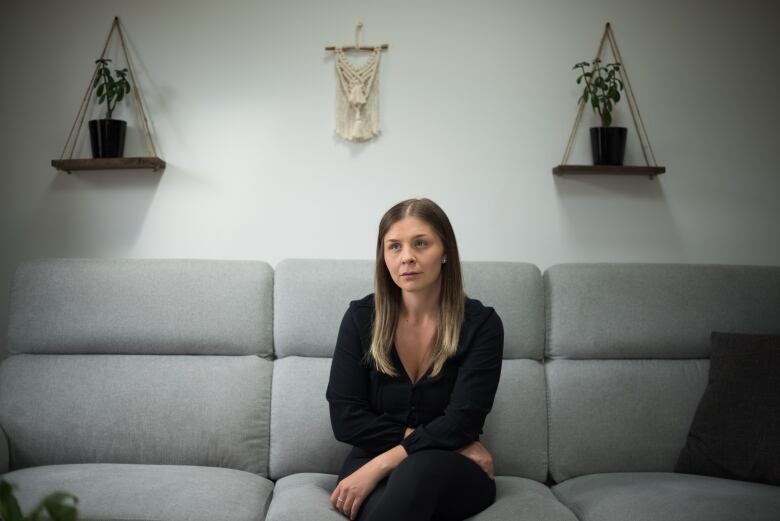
pixel 152 161
pixel 652 169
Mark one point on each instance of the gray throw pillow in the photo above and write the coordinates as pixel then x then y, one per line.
pixel 735 433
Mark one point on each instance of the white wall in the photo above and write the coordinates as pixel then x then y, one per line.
pixel 477 100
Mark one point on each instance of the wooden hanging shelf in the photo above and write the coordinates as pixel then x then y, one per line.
pixel 150 162
pixel 651 171
pixel 109 163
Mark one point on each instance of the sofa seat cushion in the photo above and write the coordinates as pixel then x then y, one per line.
pixel 148 492
pixel 306 497
pixel 650 496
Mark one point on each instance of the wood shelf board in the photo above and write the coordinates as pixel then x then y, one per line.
pixel 109 163
pixel 609 170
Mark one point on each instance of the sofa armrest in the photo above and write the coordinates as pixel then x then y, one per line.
pixel 4 452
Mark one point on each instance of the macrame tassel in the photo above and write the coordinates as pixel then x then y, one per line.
pixel 357 98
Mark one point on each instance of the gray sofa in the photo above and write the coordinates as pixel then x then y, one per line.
pixel 195 390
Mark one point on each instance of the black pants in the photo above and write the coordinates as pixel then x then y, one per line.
pixel 430 485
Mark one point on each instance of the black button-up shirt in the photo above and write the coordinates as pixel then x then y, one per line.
pixel 371 410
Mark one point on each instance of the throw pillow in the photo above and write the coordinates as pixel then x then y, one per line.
pixel 735 432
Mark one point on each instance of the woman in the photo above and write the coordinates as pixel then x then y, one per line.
pixel 414 373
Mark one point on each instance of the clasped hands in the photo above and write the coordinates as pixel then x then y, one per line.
pixel 349 494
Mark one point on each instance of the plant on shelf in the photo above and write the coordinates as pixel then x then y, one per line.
pixel 107 135
pixel 57 505
pixel 601 89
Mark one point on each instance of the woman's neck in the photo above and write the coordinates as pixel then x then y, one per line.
pixel 418 307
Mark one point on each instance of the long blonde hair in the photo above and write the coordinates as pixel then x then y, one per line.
pixel 387 294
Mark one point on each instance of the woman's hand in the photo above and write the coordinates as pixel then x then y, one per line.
pixel 477 453
pixel 355 488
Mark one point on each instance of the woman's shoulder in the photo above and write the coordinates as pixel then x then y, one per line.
pixel 475 308
pixel 477 314
pixel 362 310
pixel 365 302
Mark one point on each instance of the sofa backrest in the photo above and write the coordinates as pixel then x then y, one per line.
pixel 628 355
pixel 310 298
pixel 139 361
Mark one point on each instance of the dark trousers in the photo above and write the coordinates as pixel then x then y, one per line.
pixel 430 485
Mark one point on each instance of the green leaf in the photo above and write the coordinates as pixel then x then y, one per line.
pixel 119 95
pixel 616 97
pixel 586 96
pixel 101 90
pixel 9 506
pixel 57 506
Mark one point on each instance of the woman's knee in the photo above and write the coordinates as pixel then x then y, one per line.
pixel 428 465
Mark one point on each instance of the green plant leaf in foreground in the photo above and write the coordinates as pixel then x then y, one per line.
pixel 9 507
pixel 57 505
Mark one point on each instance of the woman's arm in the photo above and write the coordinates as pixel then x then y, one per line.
pixel 351 492
pixel 472 395
pixel 351 416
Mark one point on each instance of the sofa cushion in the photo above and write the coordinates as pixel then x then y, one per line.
pixel 141 306
pixel 189 410
pixel 620 415
pixel 148 492
pixel 302 438
pixel 306 497
pixel 736 430
pixel 650 496
pixel 311 296
pixel 515 430
pixel 627 355
pixel 641 311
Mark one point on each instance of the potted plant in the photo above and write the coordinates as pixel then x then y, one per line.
pixel 107 135
pixel 602 90
pixel 57 505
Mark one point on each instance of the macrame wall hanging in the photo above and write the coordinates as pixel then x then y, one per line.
pixel 357 91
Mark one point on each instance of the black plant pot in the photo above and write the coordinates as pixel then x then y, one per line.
pixel 608 145
pixel 107 137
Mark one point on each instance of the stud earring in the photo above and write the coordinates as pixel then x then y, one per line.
pixel 444 259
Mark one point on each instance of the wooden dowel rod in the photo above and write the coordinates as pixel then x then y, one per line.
pixel 384 46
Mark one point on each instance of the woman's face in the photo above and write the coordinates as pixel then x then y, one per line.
pixel 413 254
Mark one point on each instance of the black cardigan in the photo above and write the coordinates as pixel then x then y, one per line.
pixel 371 410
